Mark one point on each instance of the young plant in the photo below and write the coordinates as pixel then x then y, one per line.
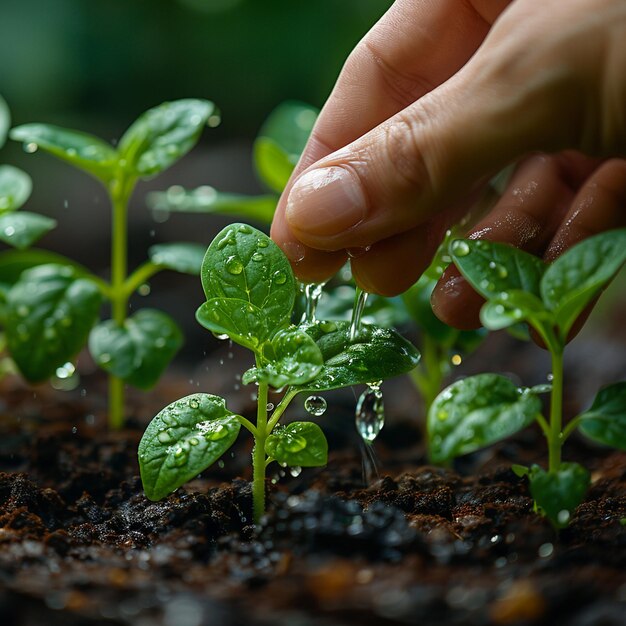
pixel 480 410
pixel 52 309
pixel 250 294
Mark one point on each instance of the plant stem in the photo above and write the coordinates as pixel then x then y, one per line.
pixel 555 439
pixel 258 455
pixel 429 374
pixel 120 195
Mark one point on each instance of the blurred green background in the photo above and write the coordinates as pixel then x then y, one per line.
pixel 95 65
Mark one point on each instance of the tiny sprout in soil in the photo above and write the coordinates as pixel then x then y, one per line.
pixel 53 309
pixel 250 295
pixel 480 410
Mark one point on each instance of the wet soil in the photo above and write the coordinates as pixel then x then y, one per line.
pixel 80 544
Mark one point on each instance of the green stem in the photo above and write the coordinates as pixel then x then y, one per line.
pixel 555 439
pixel 280 409
pixel 140 276
pixel 258 455
pixel 429 374
pixel 120 194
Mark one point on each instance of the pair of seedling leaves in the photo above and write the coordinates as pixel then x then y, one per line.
pixel 518 287
pixel 53 307
pixel 18 229
pixel 251 290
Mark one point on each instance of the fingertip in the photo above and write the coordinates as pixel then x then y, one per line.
pixel 455 302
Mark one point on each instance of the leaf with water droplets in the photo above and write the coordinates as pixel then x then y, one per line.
pixel 5 120
pixel 163 134
pixel 298 444
pixel 184 439
pixel 241 321
pixel 376 354
pixel 245 264
pixel 140 350
pixel 84 151
pixel 180 257
pixel 605 420
pixel 558 493
pixel 513 307
pixel 475 412
pixel 578 275
pixel 23 228
pixel 280 142
pixel 15 188
pixel 206 199
pixel 50 311
pixel 492 268
pixel 290 358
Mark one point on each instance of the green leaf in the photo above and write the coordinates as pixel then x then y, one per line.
pixel 605 420
pixel 22 229
pixel 577 276
pixel 180 257
pixel 475 412
pixel 291 358
pixel 492 268
pixel 14 262
pixel 140 350
pixel 299 444
pixel 557 494
pixel 280 142
pixel 245 264
pixel 15 188
pixel 84 151
pixel 163 135
pixel 241 321
pixel 512 307
pixel 183 440
pixel 5 121
pixel 376 354
pixel 208 200
pixel 50 311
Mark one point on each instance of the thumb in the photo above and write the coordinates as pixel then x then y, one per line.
pixel 421 160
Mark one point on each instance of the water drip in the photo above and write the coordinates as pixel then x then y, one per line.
pixel 370 413
pixel 360 298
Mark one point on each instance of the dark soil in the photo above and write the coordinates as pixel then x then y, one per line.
pixel 80 544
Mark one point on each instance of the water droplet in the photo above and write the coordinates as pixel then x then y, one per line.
pixel 295 471
pixel 144 289
pixel 220 464
pixel 30 147
pixel 563 516
pixel 293 442
pixel 105 357
pixel 262 243
pixel 370 413
pixel 9 231
pixel 164 437
pixel 212 430
pixel 194 404
pixel 66 370
pixel 234 266
pixel 257 257
pixel 550 377
pixel 227 240
pixel 194 441
pixel 315 405
pixel 360 298
pixel 245 229
pixel 269 406
pixel 160 342
pixel 456 359
pixel 280 278
pixel 312 294
pixel 461 248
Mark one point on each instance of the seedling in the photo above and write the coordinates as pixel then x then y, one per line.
pixel 480 410
pixel 52 309
pixel 251 290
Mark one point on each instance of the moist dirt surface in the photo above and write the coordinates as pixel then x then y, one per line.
pixel 417 544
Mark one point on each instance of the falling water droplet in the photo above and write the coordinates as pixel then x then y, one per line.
pixel 370 413
pixel 295 471
pixel 312 294
pixel 315 405
pixel 360 298
pixel 550 377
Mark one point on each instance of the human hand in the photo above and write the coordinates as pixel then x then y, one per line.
pixel 437 98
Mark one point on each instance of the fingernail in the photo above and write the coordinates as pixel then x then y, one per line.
pixel 326 202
